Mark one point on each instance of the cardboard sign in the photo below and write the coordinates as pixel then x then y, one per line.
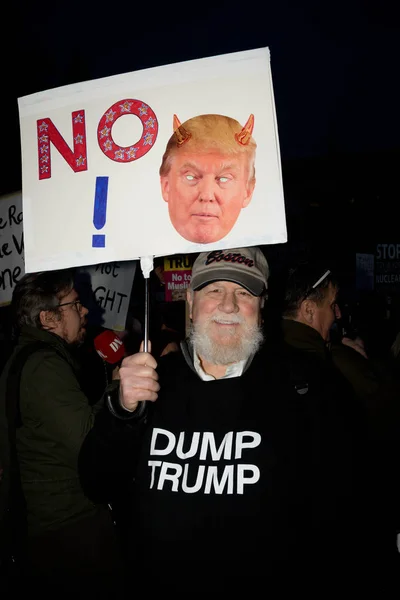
pixel 387 267
pixel 365 271
pixel 177 276
pixel 175 159
pixel 11 245
pixel 111 285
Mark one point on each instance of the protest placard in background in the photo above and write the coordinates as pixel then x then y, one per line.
pixel 111 284
pixel 91 154
pixel 365 266
pixel 177 276
pixel 387 267
pixel 11 245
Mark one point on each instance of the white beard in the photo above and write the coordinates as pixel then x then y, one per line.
pixel 235 346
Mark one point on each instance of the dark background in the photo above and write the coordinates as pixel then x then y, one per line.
pixel 335 68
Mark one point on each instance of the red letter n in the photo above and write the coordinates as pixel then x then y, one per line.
pixel 47 132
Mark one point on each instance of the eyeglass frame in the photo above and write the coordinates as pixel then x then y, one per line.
pixel 73 302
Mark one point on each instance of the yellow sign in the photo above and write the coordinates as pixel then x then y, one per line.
pixel 178 262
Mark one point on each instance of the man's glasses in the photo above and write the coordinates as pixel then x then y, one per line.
pixel 77 303
pixel 316 284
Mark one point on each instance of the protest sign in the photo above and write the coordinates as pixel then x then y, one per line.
pixel 365 265
pixel 11 245
pixel 177 275
pixel 387 267
pixel 92 154
pixel 111 284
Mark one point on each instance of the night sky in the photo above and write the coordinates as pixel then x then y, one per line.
pixel 335 69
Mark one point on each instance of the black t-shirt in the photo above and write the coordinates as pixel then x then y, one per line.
pixel 239 476
pixel 234 467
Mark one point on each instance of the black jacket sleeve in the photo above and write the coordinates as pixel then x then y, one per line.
pixel 107 459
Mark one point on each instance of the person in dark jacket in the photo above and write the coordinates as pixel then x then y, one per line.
pixel 369 399
pixel 234 480
pixel 66 533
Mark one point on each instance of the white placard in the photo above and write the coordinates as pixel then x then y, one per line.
pixel 91 154
pixel 111 284
pixel 11 245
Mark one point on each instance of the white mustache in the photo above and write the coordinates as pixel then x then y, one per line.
pixel 224 321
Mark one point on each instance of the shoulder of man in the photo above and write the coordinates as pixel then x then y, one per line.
pixel 33 352
pixel 307 373
pixel 279 368
pixel 40 351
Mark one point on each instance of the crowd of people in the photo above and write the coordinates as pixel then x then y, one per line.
pixel 259 447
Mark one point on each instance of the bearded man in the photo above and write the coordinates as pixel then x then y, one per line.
pixel 220 455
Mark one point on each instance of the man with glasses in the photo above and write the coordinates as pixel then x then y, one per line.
pixel 44 417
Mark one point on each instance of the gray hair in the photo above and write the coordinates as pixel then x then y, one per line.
pixel 36 292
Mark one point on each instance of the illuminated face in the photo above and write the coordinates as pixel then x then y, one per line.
pixel 225 313
pixel 205 194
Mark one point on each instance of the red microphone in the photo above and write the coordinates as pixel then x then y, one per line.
pixel 109 347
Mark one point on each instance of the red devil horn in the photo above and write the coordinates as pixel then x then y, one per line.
pixel 244 136
pixel 181 134
pixel 176 123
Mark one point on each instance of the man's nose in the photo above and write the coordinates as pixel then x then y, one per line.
pixel 228 303
pixel 207 189
pixel 84 310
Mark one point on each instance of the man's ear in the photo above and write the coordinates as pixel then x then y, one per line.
pixel 307 310
pixel 47 319
pixel 189 300
pixel 164 181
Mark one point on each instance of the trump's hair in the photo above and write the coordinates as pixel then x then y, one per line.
pixel 211 133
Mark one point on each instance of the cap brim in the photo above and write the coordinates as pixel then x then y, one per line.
pixel 251 284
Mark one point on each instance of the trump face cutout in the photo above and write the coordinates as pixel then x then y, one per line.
pixel 208 175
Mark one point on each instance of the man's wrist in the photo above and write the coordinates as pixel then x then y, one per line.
pixel 112 396
pixel 129 410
